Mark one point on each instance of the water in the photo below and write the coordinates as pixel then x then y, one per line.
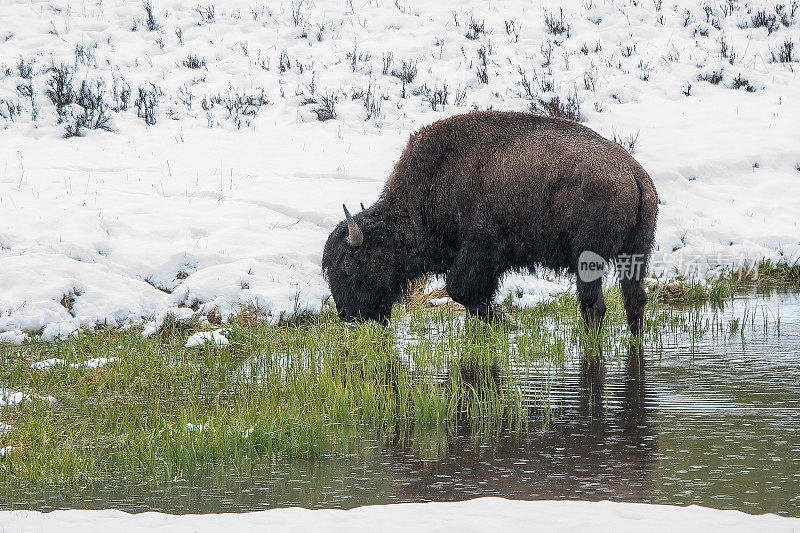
pixel 713 421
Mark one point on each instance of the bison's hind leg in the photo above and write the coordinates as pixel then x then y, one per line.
pixel 635 298
pixel 593 306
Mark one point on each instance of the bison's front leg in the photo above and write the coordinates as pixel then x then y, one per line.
pixel 593 306
pixel 474 276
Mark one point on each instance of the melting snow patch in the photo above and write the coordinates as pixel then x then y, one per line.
pixel 48 363
pixel 180 313
pixel 9 397
pixel 529 292
pixel 5 428
pixel 203 337
pixel 194 427
pixel 15 336
pixel 4 451
pixel 96 362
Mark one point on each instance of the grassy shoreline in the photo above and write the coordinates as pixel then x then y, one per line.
pixel 763 275
pixel 159 410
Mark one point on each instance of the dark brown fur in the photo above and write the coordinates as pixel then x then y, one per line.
pixel 476 195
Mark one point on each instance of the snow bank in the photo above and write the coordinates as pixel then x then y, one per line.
pixel 228 198
pixel 202 337
pixel 483 514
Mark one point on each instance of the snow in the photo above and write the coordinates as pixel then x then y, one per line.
pixel 178 313
pixel 9 397
pixel 482 514
pixel 95 362
pixel 14 336
pixel 528 291
pixel 48 363
pixel 202 337
pixel 440 301
pixel 214 209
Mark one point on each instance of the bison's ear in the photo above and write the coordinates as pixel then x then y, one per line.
pixel 354 236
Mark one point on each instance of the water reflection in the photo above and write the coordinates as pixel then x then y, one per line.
pixel 594 451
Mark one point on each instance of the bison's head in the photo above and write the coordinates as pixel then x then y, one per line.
pixel 359 262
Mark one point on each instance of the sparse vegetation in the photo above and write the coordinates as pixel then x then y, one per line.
pixel 628 142
pixel 475 30
pixel 483 66
pixel 726 51
pixel 194 62
pixel 93 112
pixel 356 59
pixel 407 72
pixel 713 78
pixel 590 80
pixel 207 13
pixel 120 93
pixel 59 88
pixel 556 26
pixel 549 54
pixel 762 19
pixel 513 30
pixel 785 52
pixel 740 82
pixel 373 103
pixel 327 109
pixel 552 105
pixel 241 108
pixel 150 19
pixel 437 97
pixel 147 103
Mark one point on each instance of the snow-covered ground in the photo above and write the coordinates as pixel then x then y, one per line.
pixel 228 198
pixel 483 514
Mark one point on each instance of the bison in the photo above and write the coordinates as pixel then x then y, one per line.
pixel 476 195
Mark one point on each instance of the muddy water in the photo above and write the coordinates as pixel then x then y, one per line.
pixel 713 421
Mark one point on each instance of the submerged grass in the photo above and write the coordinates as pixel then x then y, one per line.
pixel 309 389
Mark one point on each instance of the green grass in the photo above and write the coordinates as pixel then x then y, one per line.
pixel 300 390
pixel 764 275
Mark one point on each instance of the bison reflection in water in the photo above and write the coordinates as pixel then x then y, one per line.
pixel 474 196
pixel 604 447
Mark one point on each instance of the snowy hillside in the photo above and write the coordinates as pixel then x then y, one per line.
pixel 210 145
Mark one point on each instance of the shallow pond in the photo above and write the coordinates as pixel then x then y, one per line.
pixel 713 421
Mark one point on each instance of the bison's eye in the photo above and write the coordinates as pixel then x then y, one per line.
pixel 347 265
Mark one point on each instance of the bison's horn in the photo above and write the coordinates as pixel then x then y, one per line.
pixel 362 207
pixel 354 237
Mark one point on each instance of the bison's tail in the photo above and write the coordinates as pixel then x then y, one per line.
pixel 639 243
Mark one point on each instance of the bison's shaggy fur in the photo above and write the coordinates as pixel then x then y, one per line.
pixel 476 195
